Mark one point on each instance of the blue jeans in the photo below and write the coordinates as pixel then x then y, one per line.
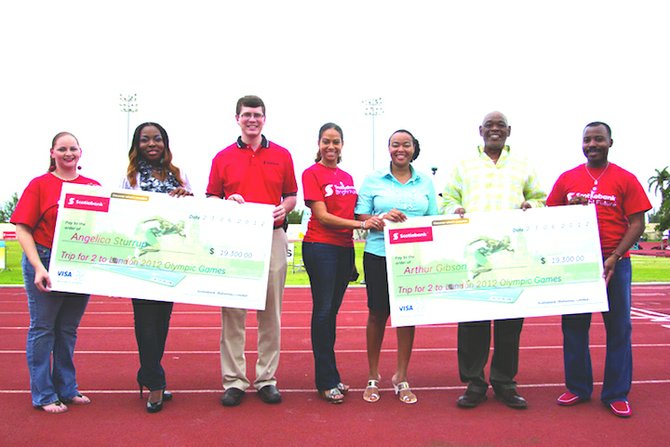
pixel 54 318
pixel 329 269
pixel 619 355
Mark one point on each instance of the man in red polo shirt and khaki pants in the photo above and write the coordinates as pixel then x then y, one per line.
pixel 256 170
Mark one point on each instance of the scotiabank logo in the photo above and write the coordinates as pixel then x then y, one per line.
pixel 88 203
pixel 420 234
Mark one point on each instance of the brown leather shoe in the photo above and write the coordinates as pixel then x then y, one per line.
pixel 471 399
pixel 512 399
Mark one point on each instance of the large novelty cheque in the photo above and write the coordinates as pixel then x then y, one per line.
pixel 487 266
pixel 136 244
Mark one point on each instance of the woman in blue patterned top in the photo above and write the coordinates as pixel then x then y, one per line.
pixel 150 169
pixel 393 193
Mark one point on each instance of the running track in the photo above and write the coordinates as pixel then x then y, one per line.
pixel 107 360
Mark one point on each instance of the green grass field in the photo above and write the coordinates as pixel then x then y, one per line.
pixel 650 269
pixel 297 276
pixel 645 268
pixel 12 273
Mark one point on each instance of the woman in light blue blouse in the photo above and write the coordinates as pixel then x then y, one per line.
pixel 393 194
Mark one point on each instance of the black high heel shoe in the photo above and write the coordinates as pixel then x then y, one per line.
pixel 155 407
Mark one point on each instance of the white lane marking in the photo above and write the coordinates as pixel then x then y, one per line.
pixel 339 351
pixel 354 390
pixel 651 315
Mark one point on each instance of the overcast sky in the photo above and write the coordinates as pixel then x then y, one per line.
pixel 439 67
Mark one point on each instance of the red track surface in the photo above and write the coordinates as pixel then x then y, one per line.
pixel 651 249
pixel 107 361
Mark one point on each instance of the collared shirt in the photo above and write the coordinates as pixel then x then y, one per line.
pixel 381 192
pixel 38 205
pixel 478 184
pixel 262 176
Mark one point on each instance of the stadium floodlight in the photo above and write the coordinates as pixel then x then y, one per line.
pixel 128 105
pixel 373 108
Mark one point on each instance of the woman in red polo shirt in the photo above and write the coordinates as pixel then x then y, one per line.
pixel 54 316
pixel 328 252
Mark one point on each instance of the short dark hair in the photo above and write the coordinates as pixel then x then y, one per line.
pixel 600 123
pixel 249 101
pixel 415 142
pixel 324 128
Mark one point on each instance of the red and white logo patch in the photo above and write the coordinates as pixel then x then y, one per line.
pixel 88 203
pixel 406 235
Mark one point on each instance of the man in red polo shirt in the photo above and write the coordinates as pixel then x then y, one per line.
pixel 254 169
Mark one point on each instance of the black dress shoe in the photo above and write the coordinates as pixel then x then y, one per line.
pixel 232 397
pixel 471 399
pixel 512 399
pixel 269 394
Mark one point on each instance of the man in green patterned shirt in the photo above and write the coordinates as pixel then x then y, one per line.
pixel 492 179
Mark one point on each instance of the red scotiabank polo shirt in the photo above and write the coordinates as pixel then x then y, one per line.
pixel 264 176
pixel 38 206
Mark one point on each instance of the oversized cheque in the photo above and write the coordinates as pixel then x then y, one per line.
pixel 138 244
pixel 496 265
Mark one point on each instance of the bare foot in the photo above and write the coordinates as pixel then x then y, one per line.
pixel 79 399
pixel 55 407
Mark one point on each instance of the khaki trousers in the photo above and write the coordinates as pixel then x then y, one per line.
pixel 233 328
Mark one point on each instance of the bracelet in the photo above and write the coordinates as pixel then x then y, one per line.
pixel 618 256
pixel 363 225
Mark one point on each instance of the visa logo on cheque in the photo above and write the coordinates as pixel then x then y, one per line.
pixel 407 235
pixel 70 277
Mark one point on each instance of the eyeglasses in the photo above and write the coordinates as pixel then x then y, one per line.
pixel 249 115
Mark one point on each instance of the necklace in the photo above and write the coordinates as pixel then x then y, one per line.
pixel 595 180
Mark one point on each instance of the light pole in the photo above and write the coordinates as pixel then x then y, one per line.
pixel 373 107
pixel 128 105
